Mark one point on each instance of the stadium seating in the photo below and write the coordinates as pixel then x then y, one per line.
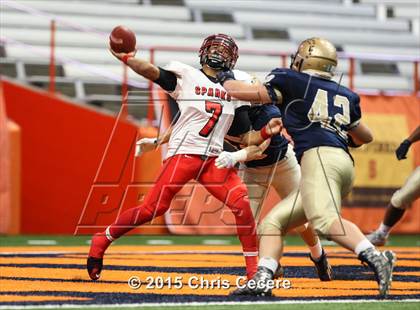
pixel 86 8
pixel 263 29
pixel 283 20
pixel 304 7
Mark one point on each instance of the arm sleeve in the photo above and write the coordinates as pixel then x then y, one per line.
pixel 355 112
pixel 241 122
pixel 274 83
pixel 167 80
pixel 180 70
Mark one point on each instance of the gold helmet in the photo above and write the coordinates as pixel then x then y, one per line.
pixel 315 55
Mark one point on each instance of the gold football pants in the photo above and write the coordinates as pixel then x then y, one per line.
pixel 327 176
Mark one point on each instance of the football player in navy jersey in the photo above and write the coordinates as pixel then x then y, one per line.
pixel 276 166
pixel 323 119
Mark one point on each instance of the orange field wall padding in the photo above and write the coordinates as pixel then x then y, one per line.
pixel 5 186
pixel 9 173
pixel 76 163
pixel 15 135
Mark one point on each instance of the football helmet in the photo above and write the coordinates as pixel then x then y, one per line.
pixel 315 55
pixel 219 51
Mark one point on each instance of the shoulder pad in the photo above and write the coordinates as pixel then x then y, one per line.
pixel 244 76
pixel 177 67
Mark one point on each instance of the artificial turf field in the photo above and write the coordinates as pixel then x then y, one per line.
pixel 49 271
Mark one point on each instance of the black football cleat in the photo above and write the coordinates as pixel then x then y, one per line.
pixel 94 264
pixel 94 267
pixel 241 292
pixel 323 267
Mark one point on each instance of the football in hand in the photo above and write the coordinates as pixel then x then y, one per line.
pixel 122 40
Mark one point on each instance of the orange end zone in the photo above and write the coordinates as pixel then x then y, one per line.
pixel 51 275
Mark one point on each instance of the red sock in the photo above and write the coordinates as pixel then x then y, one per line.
pixel 126 221
pixel 251 266
pixel 247 235
pixel 98 245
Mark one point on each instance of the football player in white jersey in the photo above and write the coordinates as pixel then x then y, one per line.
pixel 402 198
pixel 207 113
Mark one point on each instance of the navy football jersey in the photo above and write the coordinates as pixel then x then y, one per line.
pixel 315 111
pixel 259 116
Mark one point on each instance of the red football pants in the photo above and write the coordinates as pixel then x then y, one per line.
pixel 224 184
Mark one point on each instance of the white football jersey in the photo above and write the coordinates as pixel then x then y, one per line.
pixel 206 111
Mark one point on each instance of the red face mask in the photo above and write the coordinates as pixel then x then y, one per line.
pixel 219 52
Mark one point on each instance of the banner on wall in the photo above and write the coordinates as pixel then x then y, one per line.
pixel 378 172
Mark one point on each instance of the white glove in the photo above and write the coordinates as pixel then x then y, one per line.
pixel 230 159
pixel 145 145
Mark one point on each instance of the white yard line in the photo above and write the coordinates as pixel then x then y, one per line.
pixel 216 242
pixel 41 242
pixel 159 242
pixel 284 302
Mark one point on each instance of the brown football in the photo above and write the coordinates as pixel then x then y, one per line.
pixel 122 40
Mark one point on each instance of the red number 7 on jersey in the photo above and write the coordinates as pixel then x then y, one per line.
pixel 211 107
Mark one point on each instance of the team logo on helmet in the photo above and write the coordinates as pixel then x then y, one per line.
pixel 219 51
pixel 315 55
